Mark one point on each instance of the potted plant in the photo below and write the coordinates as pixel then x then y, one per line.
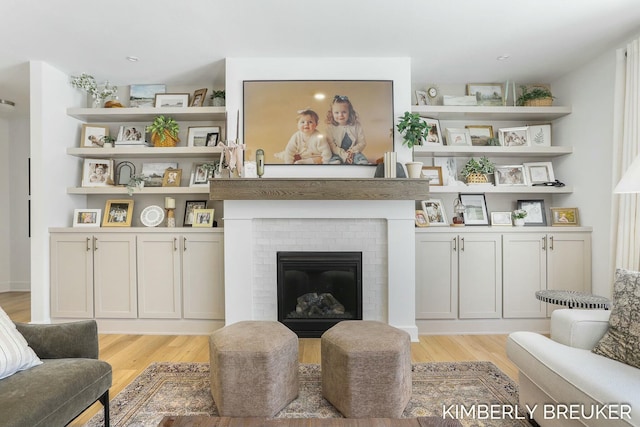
pixel 164 132
pixel 135 182
pixel 107 141
pixel 518 217
pixel 536 96
pixel 413 129
pixel 218 98
pixel 476 171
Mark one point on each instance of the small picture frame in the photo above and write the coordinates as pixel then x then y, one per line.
pixel 449 169
pixel 203 218
pixel 97 173
pixel 510 175
pixel 154 172
pixel 514 137
pixel 144 95
pixel 433 174
pixel 434 212
pixel 421 97
pixel 539 172
pixel 458 136
pixel 87 217
pixel 200 175
pixel 421 219
pixel 502 219
pixel 172 177
pixel 198 98
pixel 540 135
pixel 118 213
pixel 488 94
pixel 203 136
pixel 189 207
pixel 535 212
pixel 434 136
pixel 475 212
pixel 480 134
pixel 131 134
pixel 564 216
pixel 171 100
pixel 93 135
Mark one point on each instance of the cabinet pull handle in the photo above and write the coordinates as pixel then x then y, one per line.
pixel 88 244
pixel 455 246
pixel 462 243
pixel 175 243
pixel 184 244
pixel 550 243
pixel 544 243
pixel 95 243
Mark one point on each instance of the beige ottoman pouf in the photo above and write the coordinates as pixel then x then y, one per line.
pixel 254 368
pixel 366 369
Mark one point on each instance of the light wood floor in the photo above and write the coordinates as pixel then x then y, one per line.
pixel 131 354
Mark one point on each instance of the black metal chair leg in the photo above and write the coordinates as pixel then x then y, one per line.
pixel 104 399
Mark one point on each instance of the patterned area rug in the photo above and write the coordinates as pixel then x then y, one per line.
pixel 438 389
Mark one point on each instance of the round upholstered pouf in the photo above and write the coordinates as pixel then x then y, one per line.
pixel 254 368
pixel 366 369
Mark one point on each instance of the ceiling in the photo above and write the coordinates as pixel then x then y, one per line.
pixel 449 41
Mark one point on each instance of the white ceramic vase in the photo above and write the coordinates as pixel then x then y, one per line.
pixel 414 169
pixel 518 222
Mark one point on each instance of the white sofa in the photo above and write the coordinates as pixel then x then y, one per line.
pixel 561 374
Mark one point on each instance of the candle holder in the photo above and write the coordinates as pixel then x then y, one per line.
pixel 171 218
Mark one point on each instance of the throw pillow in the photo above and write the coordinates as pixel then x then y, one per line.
pixel 15 353
pixel 621 342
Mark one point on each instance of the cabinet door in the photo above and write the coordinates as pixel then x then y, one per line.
pixel 158 276
pixel 71 272
pixel 203 276
pixel 436 276
pixel 524 260
pixel 114 260
pixel 568 262
pixel 480 276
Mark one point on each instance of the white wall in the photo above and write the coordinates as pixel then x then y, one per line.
pixel 5 208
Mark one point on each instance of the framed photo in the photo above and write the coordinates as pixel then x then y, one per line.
pixel 480 134
pixel 433 174
pixel 540 135
pixel 203 136
pixel 434 137
pixel 434 212
pixel 131 134
pixel 510 175
pixel 97 173
pixel 564 216
pixel 421 219
pixel 487 93
pixel 172 100
pixel 475 212
pixel 203 218
pixel 93 135
pixel 118 213
pixel 421 96
pixel 86 217
pixel 514 137
pixel 539 172
pixel 154 173
pixel 189 207
pixel 200 175
pixel 198 98
pixel 144 95
pixel 273 126
pixel 535 212
pixel 501 219
pixel 457 136
pixel 172 178
pixel 449 169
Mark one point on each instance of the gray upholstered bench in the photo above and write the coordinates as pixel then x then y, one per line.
pixel 254 368
pixel 366 369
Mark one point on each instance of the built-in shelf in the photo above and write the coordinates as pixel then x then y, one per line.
pixel 106 115
pixel 142 152
pixel 504 189
pixel 442 112
pixel 491 151
pixel 146 190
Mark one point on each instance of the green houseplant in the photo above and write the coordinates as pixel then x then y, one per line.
pixel 476 171
pixel 136 181
pixel 413 129
pixel 164 132
pixel 535 97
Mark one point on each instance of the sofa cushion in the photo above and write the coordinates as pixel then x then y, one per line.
pixel 622 341
pixel 15 353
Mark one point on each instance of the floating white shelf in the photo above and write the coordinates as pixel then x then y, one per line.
pixel 442 112
pixel 111 115
pixel 142 152
pixel 146 190
pixel 503 189
pixel 491 151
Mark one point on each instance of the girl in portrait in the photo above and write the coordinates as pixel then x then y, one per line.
pixel 345 134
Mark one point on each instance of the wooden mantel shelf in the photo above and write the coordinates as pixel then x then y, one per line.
pixel 318 189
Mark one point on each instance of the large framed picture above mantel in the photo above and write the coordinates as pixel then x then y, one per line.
pixel 319 122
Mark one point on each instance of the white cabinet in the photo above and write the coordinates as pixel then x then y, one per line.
pixel 458 276
pixel 203 276
pixel 93 275
pixel 535 261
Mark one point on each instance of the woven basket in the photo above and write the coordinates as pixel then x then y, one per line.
pixel 477 178
pixel 169 141
pixel 540 102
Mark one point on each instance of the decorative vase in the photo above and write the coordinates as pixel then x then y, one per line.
pixel 97 103
pixel 477 178
pixel 169 141
pixel 414 169
pixel 218 102
pixel 518 222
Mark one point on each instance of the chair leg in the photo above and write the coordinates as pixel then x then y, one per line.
pixel 104 399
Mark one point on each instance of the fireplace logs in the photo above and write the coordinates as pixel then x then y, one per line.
pixel 313 305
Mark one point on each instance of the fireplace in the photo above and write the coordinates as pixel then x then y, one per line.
pixel 316 290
